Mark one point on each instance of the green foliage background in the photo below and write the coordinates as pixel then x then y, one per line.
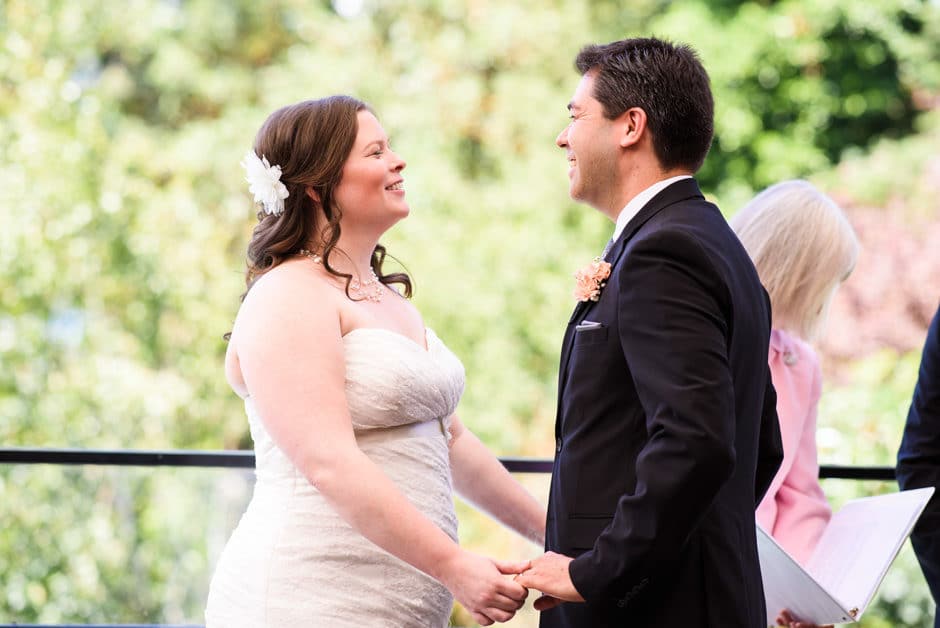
pixel 124 220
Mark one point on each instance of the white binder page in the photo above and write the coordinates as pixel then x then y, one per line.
pixel 788 586
pixel 860 543
pixel 849 562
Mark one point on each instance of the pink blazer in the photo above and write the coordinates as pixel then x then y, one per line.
pixel 794 510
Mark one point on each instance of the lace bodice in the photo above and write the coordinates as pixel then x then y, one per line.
pixel 406 385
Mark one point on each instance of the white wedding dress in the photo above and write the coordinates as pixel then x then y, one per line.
pixel 293 561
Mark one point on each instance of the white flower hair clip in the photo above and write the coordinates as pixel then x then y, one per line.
pixel 264 182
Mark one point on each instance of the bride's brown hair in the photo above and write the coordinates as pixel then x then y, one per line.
pixel 310 141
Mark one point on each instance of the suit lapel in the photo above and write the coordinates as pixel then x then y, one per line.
pixel 579 309
pixel 678 191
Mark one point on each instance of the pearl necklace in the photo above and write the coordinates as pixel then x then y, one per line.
pixel 371 289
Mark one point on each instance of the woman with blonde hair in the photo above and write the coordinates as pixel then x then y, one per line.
pixel 350 401
pixel 804 248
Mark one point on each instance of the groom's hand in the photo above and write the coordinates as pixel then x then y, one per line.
pixel 549 574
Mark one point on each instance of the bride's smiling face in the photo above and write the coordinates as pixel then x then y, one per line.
pixel 371 188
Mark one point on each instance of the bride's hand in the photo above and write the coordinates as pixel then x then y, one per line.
pixel 481 586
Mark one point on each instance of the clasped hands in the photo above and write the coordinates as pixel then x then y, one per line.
pixel 549 575
pixel 480 585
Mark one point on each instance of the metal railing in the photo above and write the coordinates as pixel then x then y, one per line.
pixel 246 460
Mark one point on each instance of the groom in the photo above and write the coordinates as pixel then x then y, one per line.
pixel 666 432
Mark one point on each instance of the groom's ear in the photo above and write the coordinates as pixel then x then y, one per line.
pixel 632 125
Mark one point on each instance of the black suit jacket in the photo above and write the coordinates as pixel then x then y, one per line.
pixel 919 458
pixel 666 431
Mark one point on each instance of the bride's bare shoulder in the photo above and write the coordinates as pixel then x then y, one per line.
pixel 291 292
pixel 289 314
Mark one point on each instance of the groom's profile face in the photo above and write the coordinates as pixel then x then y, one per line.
pixel 591 147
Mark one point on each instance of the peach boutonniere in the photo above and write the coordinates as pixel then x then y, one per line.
pixel 591 280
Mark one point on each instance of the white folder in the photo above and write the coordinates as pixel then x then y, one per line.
pixel 849 562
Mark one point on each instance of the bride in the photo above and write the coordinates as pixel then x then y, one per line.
pixel 350 402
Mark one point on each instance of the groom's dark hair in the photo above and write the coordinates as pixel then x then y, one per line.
pixel 666 81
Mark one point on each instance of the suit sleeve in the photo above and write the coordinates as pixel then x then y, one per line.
pixel 673 332
pixel 919 454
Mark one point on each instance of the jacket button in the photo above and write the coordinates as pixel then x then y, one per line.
pixel 557 444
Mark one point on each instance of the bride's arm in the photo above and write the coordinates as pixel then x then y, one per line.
pixel 290 350
pixel 482 480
